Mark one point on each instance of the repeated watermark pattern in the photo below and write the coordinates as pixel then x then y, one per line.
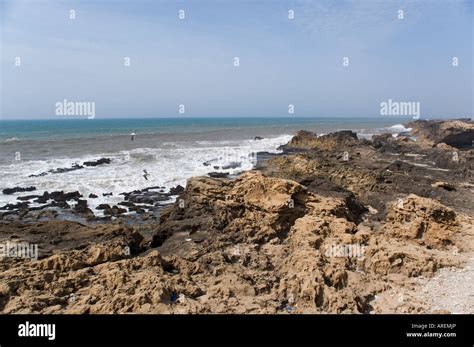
pixel 75 108
pixel 345 251
pixel 23 250
pixel 400 108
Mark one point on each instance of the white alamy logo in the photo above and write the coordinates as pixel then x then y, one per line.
pixel 400 108
pixel 237 154
pixel 19 250
pixel 75 108
pixel 37 330
pixel 345 250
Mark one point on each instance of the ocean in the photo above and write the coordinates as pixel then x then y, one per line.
pixel 170 150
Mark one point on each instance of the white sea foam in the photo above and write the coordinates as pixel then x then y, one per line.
pixel 12 139
pixel 166 166
pixel 395 130
pixel 398 128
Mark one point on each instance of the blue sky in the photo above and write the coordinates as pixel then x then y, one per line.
pixel 190 61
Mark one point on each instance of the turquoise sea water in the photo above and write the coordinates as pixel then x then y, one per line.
pixel 170 150
pixel 14 130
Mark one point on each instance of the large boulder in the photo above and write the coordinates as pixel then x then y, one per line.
pixel 309 140
pixel 422 220
pixel 8 191
pixel 457 133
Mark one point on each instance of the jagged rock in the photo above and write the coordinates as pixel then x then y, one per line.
pixel 114 211
pixel 444 185
pixel 17 190
pixel 42 199
pixel 126 203
pixel 17 206
pixel 218 174
pixel 60 203
pixel 422 220
pixel 310 140
pixel 97 162
pixel 63 170
pixel 457 133
pixel 383 140
pixel 137 209
pixel 303 139
pixel 39 175
pixel 233 165
pixel 445 147
pixel 28 197
pixel 59 170
pixel 149 198
pixel 296 238
pixel 176 190
pixel 61 196
pixel 81 207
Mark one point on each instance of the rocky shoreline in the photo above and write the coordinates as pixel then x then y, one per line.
pixel 333 224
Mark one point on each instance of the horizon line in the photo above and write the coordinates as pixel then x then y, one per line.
pixel 69 118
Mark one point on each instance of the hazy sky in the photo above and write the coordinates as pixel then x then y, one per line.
pixel 191 61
